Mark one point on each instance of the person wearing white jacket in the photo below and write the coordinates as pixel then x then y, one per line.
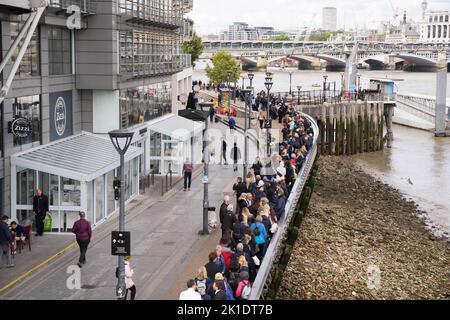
pixel 129 279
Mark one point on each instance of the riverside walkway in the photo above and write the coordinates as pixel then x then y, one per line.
pixel 166 248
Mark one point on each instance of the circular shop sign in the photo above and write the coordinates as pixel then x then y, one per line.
pixel 60 116
pixel 21 128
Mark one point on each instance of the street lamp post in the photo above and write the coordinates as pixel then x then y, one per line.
pixel 290 82
pixel 299 88
pixel 235 69
pixel 243 82
pixel 325 77
pixel 247 95
pixel 268 85
pixel 251 76
pixel 229 72
pixel 121 141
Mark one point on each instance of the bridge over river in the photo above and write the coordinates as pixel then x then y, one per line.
pixel 315 55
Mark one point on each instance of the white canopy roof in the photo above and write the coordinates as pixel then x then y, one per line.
pixel 176 127
pixel 82 157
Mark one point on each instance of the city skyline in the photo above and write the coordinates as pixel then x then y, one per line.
pixel 348 17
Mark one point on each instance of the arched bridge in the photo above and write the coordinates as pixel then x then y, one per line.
pixel 376 55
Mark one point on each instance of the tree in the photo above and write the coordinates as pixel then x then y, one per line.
pixel 280 37
pixel 194 47
pixel 222 63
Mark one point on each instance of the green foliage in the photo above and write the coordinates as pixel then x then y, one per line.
pixel 324 36
pixel 222 63
pixel 320 37
pixel 280 38
pixel 194 48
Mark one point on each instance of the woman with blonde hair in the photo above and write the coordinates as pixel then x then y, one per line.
pixel 203 283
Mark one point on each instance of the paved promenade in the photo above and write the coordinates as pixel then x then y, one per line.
pixel 166 248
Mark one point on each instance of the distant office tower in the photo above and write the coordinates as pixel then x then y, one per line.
pixel 424 9
pixel 329 19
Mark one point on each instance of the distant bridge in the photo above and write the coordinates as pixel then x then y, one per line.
pixel 377 55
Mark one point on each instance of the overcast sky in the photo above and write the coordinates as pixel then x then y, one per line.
pixel 213 16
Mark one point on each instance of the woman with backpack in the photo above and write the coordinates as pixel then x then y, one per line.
pixel 203 283
pixel 261 236
pixel 244 288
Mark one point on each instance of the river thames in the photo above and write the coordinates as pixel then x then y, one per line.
pixel 418 164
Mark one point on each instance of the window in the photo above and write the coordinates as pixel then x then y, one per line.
pixel 446 18
pixel 30 109
pixel 59 51
pixel 441 19
pixel 25 186
pixel 145 103
pixel 49 184
pixel 439 31
pixel 70 192
pixel 29 66
pixel 445 31
pixel 434 32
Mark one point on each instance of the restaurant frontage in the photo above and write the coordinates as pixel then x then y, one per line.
pixel 76 174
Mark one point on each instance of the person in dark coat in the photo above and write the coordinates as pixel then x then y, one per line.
pixel 224 152
pixel 257 167
pixel 223 212
pixel 239 187
pixel 5 242
pixel 219 291
pixel 236 156
pixel 40 210
pixel 211 267
pixel 83 232
pixel 228 220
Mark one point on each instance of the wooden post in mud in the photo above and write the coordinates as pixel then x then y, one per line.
pixel 349 128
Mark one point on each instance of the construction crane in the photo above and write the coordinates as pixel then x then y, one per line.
pixel 36 8
pixel 309 27
pixel 395 11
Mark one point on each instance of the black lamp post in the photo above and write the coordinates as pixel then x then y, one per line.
pixel 229 72
pixel 235 69
pixel 290 82
pixel 247 94
pixel 251 76
pixel 325 77
pixel 121 140
pixel 269 85
pixel 299 88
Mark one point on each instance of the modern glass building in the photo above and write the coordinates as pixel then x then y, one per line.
pixel 120 66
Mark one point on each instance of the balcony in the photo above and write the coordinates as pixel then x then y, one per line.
pixel 86 6
pixel 152 13
pixel 142 66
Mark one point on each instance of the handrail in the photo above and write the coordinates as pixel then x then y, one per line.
pixel 260 285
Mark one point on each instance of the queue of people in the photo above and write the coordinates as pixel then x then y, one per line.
pixel 249 225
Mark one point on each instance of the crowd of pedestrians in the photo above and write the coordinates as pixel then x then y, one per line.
pixel 250 221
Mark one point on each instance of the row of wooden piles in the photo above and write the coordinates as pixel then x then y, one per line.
pixel 347 129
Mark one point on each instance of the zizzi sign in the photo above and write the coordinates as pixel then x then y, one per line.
pixel 21 128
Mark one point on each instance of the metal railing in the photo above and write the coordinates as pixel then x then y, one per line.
pixel 273 253
pixel 86 6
